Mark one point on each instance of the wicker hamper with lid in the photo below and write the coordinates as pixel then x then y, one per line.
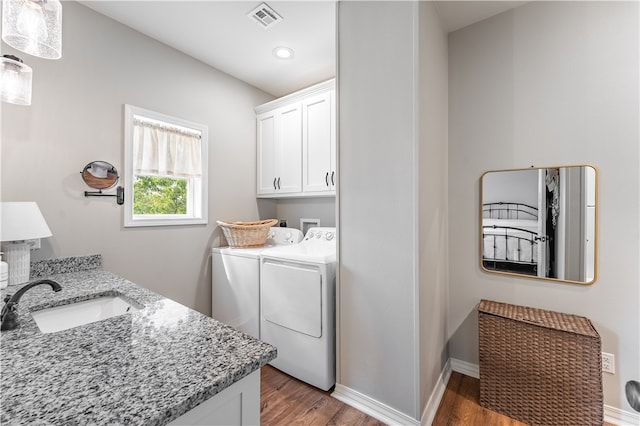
pixel 539 367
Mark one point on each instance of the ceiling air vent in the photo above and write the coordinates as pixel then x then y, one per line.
pixel 265 16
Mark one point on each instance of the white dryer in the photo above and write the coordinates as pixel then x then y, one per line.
pixel 235 281
pixel 297 306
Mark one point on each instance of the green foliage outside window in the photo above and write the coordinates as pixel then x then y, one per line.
pixel 159 195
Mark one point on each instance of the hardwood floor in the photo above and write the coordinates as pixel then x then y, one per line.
pixel 285 400
pixel 460 406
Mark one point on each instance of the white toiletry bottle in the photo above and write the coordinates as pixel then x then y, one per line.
pixel 4 273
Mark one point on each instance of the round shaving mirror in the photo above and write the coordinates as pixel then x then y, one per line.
pixel 100 175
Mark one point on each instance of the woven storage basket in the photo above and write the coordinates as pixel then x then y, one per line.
pixel 539 367
pixel 246 234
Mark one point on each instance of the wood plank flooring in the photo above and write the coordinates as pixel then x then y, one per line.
pixel 285 400
pixel 460 405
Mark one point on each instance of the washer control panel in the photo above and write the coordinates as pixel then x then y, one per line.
pixel 280 236
pixel 320 235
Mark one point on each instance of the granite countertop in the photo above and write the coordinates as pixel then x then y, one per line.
pixel 143 368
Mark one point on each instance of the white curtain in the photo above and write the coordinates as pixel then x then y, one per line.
pixel 160 149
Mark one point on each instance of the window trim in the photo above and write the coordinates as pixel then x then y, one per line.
pixel 131 220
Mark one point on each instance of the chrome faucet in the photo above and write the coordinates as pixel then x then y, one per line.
pixel 9 315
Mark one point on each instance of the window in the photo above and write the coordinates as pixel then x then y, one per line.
pixel 165 170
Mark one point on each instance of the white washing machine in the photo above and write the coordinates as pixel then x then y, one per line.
pixel 297 306
pixel 235 281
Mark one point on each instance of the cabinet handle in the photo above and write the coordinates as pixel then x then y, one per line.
pixel 333 182
pixel 278 183
pixel 326 178
pixel 274 183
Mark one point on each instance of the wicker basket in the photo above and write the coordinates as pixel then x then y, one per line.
pixel 246 234
pixel 539 367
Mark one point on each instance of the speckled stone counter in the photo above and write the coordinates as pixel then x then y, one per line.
pixel 143 368
pixel 45 268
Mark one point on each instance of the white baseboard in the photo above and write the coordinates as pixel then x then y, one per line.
pixel 431 408
pixel 620 417
pixel 374 408
pixel 466 368
pixel 391 416
pixel 612 415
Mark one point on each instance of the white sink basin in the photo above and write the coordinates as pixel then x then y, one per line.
pixel 72 315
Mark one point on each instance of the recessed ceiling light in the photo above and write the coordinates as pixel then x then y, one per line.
pixel 283 52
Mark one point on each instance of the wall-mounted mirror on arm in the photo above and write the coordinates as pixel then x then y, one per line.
pixel 102 175
pixel 540 223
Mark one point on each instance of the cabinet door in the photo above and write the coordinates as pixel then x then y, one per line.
pixel 318 141
pixel 289 153
pixel 266 155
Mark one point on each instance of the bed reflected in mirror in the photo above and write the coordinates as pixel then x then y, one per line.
pixel 540 223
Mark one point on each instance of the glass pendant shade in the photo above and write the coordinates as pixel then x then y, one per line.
pixel 15 81
pixel 33 27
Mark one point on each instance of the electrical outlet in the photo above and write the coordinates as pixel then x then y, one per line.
pixel 608 363
pixel 34 244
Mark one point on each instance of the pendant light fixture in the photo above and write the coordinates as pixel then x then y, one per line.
pixel 33 27
pixel 15 81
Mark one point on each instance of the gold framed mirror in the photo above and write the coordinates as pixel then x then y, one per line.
pixel 540 222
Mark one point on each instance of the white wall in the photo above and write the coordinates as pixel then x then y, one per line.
pixel 393 202
pixel 433 199
pixel 513 187
pixel 293 209
pixel 377 196
pixel 550 83
pixel 77 117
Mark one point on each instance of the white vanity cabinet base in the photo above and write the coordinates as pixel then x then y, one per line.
pixel 239 404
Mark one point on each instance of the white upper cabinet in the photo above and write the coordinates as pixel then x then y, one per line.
pixel 280 151
pixel 290 152
pixel 296 144
pixel 319 143
pixel 266 124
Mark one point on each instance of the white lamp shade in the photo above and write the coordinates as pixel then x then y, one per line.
pixel 15 81
pixel 33 27
pixel 22 221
